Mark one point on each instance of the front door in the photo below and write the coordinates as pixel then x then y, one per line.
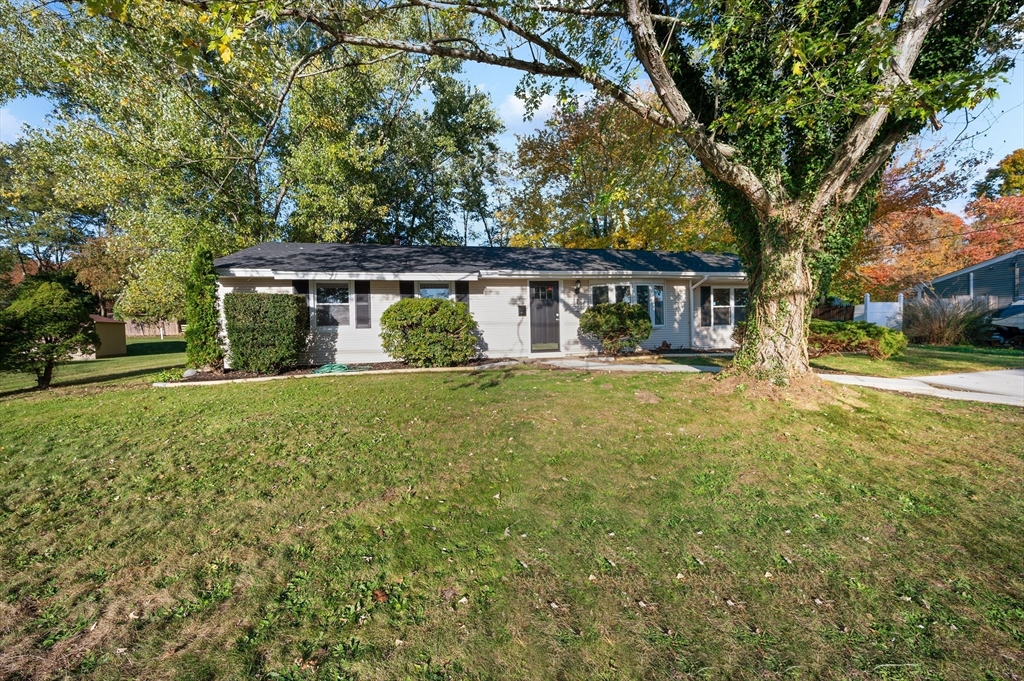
pixel 543 316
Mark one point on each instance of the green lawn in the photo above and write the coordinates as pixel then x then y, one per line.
pixel 924 360
pixel 146 357
pixel 515 524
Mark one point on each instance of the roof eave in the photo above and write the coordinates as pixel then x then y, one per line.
pixel 980 265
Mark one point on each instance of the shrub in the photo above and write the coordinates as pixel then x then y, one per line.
pixel 879 342
pixel 42 327
pixel 202 347
pixel 619 326
pixel 428 332
pixel 266 331
pixel 940 321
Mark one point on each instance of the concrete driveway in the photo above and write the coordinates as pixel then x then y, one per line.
pixel 994 387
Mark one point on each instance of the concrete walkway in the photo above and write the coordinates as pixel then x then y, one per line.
pixel 591 365
pixel 993 387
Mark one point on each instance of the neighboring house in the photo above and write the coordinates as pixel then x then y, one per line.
pixel 996 282
pixel 526 302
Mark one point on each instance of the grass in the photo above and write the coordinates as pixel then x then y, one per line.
pixel 515 524
pixel 146 357
pixel 924 360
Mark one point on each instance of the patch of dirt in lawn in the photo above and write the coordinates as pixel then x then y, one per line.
pixel 806 392
pixel 646 397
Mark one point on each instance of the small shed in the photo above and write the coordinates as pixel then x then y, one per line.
pixel 111 333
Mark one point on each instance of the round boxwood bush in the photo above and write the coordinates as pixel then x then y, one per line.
pixel 620 327
pixel 428 332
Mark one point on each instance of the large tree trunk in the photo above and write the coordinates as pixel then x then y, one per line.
pixel 781 289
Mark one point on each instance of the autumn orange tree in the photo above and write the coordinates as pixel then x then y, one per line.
pixel 601 177
pixel 911 239
pixel 792 107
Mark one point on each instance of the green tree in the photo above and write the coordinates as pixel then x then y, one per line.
pixel 176 145
pixel 202 337
pixel 42 327
pixel 600 177
pixel 791 107
pixel 1006 179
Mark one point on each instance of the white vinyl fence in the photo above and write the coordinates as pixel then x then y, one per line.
pixel 883 314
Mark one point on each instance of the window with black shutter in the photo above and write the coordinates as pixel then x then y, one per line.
pixel 407 289
pixel 462 292
pixel 362 304
pixel 705 306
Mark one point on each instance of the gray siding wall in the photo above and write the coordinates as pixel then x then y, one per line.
pixel 998 283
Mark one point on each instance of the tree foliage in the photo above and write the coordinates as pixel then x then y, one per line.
pixel 912 240
pixel 42 327
pixel 1006 179
pixel 175 145
pixel 600 177
pixel 202 333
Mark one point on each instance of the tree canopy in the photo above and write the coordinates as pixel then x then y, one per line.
pixel 601 177
pixel 174 145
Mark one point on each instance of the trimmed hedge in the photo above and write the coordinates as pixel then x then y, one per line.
pixel 619 326
pixel 266 331
pixel 202 344
pixel 878 342
pixel 428 332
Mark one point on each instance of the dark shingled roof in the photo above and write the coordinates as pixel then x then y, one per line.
pixel 292 257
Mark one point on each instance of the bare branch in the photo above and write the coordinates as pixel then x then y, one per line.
pixel 871 164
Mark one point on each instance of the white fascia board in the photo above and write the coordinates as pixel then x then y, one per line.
pixel 379 276
pixel 605 274
pixel 980 265
pixel 238 272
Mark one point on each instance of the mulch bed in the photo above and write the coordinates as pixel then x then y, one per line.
pixel 232 374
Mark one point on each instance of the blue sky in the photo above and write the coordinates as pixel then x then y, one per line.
pixel 996 129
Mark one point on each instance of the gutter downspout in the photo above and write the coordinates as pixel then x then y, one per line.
pixel 693 325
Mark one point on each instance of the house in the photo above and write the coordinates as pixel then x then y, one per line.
pixel 527 302
pixel 996 282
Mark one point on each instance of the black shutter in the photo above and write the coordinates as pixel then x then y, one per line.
pixel 705 306
pixel 362 304
pixel 407 289
pixel 301 286
pixel 462 292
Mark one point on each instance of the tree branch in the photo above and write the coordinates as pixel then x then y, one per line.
pixel 919 17
pixel 714 157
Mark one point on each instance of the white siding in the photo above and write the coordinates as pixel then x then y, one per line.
pixel 676 331
pixel 494 304
pixel 339 344
pixel 711 337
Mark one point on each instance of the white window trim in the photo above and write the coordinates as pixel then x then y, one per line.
pixel 436 284
pixel 314 285
pixel 632 293
pixel 731 306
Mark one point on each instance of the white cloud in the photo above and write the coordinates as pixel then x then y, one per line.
pixel 10 126
pixel 513 109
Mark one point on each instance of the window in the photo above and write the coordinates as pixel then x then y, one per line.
pixel 332 306
pixel 462 293
pixel 434 290
pixel 739 305
pixel 362 304
pixel 650 296
pixel 722 306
